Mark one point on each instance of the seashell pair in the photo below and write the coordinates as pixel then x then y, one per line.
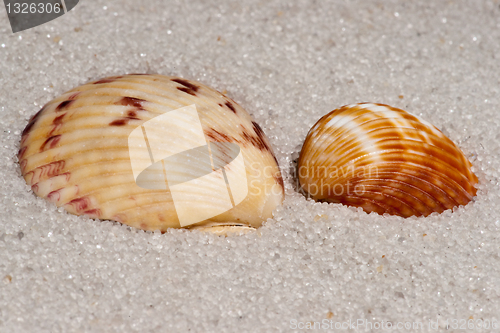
pixel 384 160
pixel 153 152
pixel 157 152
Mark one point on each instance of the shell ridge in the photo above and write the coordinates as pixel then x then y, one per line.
pixel 392 198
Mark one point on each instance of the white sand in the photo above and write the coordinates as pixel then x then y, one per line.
pixel 287 64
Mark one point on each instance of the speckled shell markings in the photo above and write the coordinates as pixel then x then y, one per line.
pixel 384 160
pixel 74 151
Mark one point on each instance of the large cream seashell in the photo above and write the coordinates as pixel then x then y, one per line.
pixel 101 149
pixel 384 160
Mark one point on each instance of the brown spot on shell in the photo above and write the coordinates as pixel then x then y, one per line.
pixel 93 213
pixel 27 129
pixel 106 80
pixel 22 164
pixel 119 122
pixel 80 204
pixel 275 160
pixel 51 142
pixel 64 105
pixel 217 136
pixel 67 175
pixel 21 152
pixel 36 115
pixel 54 196
pixel 131 101
pixel 58 120
pixel 34 188
pixel 73 96
pixel 258 130
pixel 56 123
pixel 32 121
pixel 44 171
pixel 224 156
pixel 136 103
pixel 257 140
pixel 230 106
pixel 188 88
pixel 277 176
pixel 122 218
pixel 122 121
pixel 55 128
pixel 187 91
pixel 279 179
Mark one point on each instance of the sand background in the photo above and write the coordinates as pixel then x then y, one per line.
pixel 287 63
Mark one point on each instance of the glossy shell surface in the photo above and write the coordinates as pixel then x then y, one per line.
pixel 384 160
pixel 75 152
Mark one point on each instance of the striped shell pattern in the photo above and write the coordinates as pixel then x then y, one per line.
pixel 384 160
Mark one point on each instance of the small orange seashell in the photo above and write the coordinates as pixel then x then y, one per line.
pixel 384 160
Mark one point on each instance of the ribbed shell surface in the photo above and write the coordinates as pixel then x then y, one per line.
pixel 384 160
pixel 74 151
